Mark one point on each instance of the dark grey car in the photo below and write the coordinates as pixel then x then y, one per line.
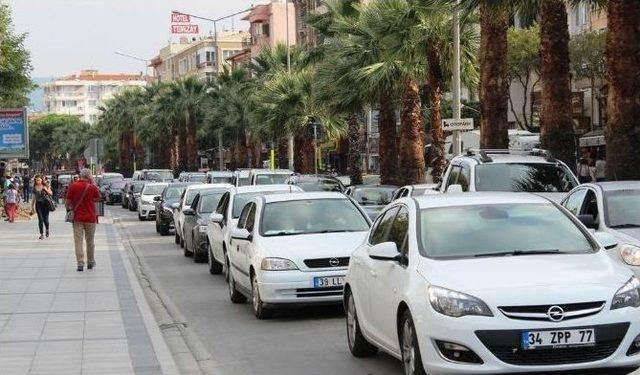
pixel 170 195
pixel 195 224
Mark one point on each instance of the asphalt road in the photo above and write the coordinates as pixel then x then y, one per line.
pixel 310 341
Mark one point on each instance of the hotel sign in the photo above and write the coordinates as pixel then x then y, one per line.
pixel 181 24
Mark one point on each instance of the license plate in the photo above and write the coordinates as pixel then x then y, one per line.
pixel 561 338
pixel 328 281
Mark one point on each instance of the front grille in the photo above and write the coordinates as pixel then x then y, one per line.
pixel 505 345
pixel 326 262
pixel 539 312
pixel 319 292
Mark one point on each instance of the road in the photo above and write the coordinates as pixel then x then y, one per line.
pixel 310 341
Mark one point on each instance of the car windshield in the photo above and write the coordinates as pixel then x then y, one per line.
pixel 209 202
pixel 191 194
pixel 244 181
pixel 173 193
pixel 320 185
pixel 273 178
pixel 623 208
pixel 152 189
pixel 137 187
pixel 117 185
pixel 499 229
pixel 520 177
pixel 197 178
pixel 221 179
pixel 373 196
pixel 240 200
pixel 158 175
pixel 312 216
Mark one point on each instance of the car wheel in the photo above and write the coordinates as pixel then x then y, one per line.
pixel 164 230
pixel 140 217
pixel 198 257
pixel 215 268
pixel 234 295
pixel 358 344
pixel 177 238
pixel 258 306
pixel 411 359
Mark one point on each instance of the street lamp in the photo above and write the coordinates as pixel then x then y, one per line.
pixel 145 61
pixel 456 77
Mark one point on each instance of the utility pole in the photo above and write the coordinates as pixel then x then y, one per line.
pixel 290 140
pixel 456 77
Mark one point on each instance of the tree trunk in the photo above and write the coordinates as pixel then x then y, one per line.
pixel 303 159
pixel 191 142
pixel 556 125
pixel 436 79
pixel 388 149
pixel 412 165
pixel 623 103
pixel 181 154
pixel 494 77
pixel 355 150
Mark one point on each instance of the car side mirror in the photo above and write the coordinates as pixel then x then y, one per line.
pixel 216 218
pixel 157 199
pixel 588 221
pixel 189 211
pixel 607 240
pixel 387 251
pixel 241 234
pixel 175 205
pixel 455 188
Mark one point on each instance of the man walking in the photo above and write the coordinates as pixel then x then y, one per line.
pixel 26 188
pixel 81 198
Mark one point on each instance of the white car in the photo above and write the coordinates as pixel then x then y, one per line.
pixel 185 202
pixel 294 249
pixel 268 176
pixel 614 208
pixel 415 190
pixel 225 219
pixel 146 201
pixel 490 283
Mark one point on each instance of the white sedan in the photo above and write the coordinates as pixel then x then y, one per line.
pixel 225 219
pixel 146 202
pixel 294 249
pixel 490 283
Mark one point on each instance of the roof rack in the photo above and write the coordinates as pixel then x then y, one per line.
pixel 485 158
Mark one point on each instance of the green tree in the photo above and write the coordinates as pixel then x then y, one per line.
pixel 588 61
pixel 15 64
pixel 524 69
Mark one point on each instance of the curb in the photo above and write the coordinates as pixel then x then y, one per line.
pixel 189 352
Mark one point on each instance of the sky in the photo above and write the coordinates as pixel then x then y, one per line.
pixel 65 36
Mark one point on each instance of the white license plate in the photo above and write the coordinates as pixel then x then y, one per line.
pixel 328 281
pixel 560 338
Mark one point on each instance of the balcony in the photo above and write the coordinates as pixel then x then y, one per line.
pixel 205 64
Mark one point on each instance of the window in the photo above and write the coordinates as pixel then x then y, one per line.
pixel 251 218
pixel 453 175
pixel 222 205
pixel 265 29
pixel 208 202
pixel 243 215
pixel 381 228
pixel 399 229
pixel 574 202
pixel 590 206
pixel 464 177
pixel 622 208
pixel 524 177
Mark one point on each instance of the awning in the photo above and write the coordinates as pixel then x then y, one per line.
pixel 593 138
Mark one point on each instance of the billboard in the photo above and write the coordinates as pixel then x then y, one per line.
pixel 181 24
pixel 14 133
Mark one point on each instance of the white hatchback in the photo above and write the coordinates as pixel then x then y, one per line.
pixel 146 201
pixel 490 283
pixel 294 249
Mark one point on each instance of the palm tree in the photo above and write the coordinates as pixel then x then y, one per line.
pixel 623 106
pixel 189 94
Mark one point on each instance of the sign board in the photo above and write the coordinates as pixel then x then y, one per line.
pixel 180 18
pixel 14 133
pixel 462 124
pixel 185 29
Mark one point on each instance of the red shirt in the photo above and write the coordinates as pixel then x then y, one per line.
pixel 85 210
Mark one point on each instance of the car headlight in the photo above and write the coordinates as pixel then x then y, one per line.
pixel 628 295
pixel 277 264
pixel 451 303
pixel 202 228
pixel 630 254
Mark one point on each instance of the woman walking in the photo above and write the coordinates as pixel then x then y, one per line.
pixel 11 200
pixel 40 205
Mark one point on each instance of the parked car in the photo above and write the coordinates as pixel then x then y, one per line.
pixel 371 179
pixel 490 283
pixel 164 210
pixel 268 176
pixel 241 177
pixel 105 180
pixel 220 177
pixel 415 190
pixel 294 249
pixel 64 180
pixel 185 202
pixel 373 198
pixel 199 177
pixel 133 193
pixel 145 203
pixel 613 208
pixel 196 218
pixel 316 183
pixel 225 219
pixel 113 192
pixel 533 171
pixel 157 175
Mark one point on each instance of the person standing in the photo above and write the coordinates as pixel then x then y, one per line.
pixel 55 186
pixel 11 200
pixel 584 171
pixel 81 198
pixel 39 204
pixel 26 188
pixel 601 165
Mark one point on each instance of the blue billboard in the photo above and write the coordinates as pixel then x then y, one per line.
pixel 14 134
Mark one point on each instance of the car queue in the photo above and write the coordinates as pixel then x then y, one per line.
pixel 507 266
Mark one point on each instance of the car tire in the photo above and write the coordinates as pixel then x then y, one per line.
pixel 164 230
pixel 215 268
pixel 234 295
pixel 409 347
pixel 140 217
pixel 177 238
pixel 258 306
pixel 198 257
pixel 358 344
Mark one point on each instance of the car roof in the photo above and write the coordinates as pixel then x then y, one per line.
pixel 204 186
pixel 619 185
pixel 470 199
pixel 155 183
pixel 181 183
pixel 507 156
pixel 364 186
pixel 220 173
pixel 421 186
pixel 269 171
pixel 271 187
pixel 304 196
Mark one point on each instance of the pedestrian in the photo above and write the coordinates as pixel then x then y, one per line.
pixel 11 200
pixel 601 165
pixel 584 171
pixel 55 187
pixel 39 204
pixel 26 188
pixel 80 201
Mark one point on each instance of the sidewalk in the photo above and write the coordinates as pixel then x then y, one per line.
pixel 55 320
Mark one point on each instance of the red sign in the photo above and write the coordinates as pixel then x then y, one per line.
pixel 184 29
pixel 180 18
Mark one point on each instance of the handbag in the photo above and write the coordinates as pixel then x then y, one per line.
pixel 70 212
pixel 51 205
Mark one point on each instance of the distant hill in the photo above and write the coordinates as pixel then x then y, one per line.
pixel 37 101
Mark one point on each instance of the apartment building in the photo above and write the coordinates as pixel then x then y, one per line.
pixel 81 94
pixel 203 56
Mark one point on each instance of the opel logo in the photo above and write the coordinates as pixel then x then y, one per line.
pixel 555 313
pixel 334 262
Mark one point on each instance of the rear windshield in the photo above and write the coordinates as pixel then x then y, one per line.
pixel 320 185
pixel 137 187
pixel 623 209
pixel 158 175
pixel 153 189
pixel 117 185
pixel 209 202
pixel 221 179
pixel 174 192
pixel 197 178
pixel 270 179
pixel 374 196
pixel 521 177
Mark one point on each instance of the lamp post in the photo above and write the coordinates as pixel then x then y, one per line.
pixel 456 77
pixel 291 144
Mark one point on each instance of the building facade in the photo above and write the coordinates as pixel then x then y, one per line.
pixel 81 94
